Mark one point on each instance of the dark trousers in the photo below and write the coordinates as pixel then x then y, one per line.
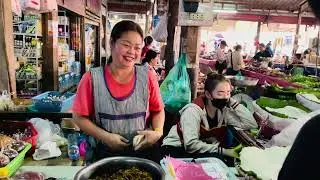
pixel 303 159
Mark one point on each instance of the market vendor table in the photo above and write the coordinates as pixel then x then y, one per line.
pixel 55 117
pixel 63 160
pixel 269 79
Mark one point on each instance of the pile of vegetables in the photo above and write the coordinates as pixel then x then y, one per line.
pixel 265 102
pixel 130 173
pixel 27 71
pixel 306 81
pixel 290 93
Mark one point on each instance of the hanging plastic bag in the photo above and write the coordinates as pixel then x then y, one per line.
pixel 16 7
pixel 160 32
pixel 48 6
pixel 175 89
pixel 30 5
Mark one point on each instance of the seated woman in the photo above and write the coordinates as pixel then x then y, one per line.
pixel 203 124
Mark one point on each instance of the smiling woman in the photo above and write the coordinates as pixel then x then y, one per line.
pixel 113 102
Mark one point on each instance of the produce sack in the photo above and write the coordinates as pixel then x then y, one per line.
pixel 16 7
pixel 30 5
pixel 287 136
pixel 309 101
pixel 275 122
pixel 265 163
pixel 48 6
pixel 160 32
pixel 175 89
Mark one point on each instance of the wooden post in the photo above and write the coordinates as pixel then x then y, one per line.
pixel 258 34
pixel 296 38
pixel 147 25
pixel 190 37
pixel 7 60
pixel 50 63
pixel 172 22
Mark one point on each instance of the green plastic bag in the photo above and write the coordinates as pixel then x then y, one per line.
pixel 175 89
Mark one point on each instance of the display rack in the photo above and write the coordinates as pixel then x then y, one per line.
pixel 27 33
pixel 68 76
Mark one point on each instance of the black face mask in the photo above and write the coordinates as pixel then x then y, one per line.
pixel 219 103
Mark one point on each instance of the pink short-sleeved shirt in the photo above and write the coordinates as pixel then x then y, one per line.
pixel 84 101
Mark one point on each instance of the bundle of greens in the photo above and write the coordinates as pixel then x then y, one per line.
pixel 265 102
pixel 290 93
pixel 306 81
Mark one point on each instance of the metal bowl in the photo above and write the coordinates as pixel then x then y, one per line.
pixel 113 164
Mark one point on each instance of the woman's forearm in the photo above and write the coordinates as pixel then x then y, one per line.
pixel 158 121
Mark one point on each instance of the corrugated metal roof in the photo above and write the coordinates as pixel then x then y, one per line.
pixel 286 5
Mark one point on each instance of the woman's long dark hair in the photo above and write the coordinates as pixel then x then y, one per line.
pixel 151 54
pixel 122 27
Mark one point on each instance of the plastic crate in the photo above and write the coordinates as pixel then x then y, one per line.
pixel 15 164
pixel 11 127
pixel 46 105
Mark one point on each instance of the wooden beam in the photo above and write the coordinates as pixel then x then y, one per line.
pixel 190 43
pixel 7 60
pixel 258 35
pixel 172 23
pixel 130 6
pixel 271 18
pixel 296 38
pixel 50 40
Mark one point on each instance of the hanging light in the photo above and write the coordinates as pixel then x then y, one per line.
pixel 229 11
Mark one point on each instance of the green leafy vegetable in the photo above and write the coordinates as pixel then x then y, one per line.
pixel 264 102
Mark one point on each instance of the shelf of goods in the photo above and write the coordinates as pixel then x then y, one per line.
pixel 28 51
pixel 69 68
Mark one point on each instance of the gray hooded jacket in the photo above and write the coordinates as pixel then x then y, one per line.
pixel 190 120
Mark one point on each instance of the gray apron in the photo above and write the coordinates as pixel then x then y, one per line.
pixel 124 116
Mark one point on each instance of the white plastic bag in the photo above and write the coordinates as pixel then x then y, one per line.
pixel 276 123
pixel 309 101
pixel 160 33
pixel 47 131
pixel 16 7
pixel 287 136
pixel 48 6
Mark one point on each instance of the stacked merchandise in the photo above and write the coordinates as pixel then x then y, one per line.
pixel 28 51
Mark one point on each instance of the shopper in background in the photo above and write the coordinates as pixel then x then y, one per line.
pixel 235 61
pixel 269 49
pixel 113 102
pixel 147 45
pixel 152 59
pixel 263 53
pixel 202 128
pixel 303 159
pixel 221 64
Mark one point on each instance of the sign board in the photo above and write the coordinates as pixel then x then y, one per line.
pixel 203 17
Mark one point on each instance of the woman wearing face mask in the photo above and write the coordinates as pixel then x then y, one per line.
pixel 113 102
pixel 202 127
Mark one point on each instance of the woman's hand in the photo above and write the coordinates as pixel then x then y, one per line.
pixel 150 138
pixel 115 142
